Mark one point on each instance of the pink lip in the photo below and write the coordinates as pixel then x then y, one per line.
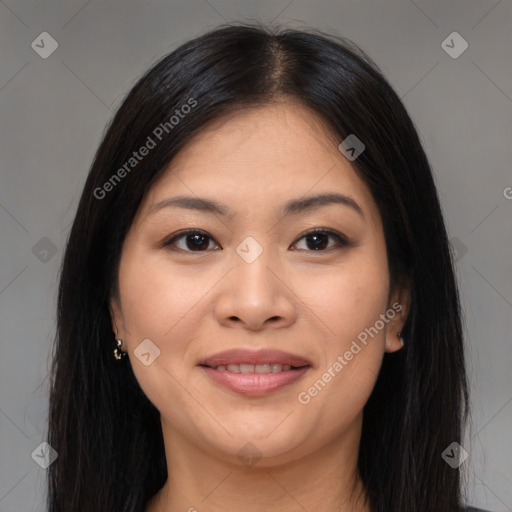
pixel 254 384
pixel 241 356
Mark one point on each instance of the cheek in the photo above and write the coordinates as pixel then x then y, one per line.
pixel 162 305
pixel 157 306
pixel 350 301
pixel 349 297
pixel 156 300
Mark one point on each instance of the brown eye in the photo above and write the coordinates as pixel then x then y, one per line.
pixel 318 240
pixel 193 241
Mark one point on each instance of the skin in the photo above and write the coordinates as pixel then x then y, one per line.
pixel 309 302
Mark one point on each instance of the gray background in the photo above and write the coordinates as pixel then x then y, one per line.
pixel 53 113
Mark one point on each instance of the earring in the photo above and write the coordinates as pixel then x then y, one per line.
pixel 118 353
pixel 400 337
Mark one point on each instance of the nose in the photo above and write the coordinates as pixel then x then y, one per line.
pixel 256 296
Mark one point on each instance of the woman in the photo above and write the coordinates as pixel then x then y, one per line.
pixel 257 307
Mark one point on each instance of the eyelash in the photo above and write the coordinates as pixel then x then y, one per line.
pixel 341 239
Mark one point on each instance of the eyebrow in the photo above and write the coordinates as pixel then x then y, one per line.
pixel 292 207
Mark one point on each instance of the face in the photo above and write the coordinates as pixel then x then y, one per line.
pixel 260 316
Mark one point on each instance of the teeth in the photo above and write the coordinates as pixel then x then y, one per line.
pixel 254 368
pixel 262 368
pixel 246 368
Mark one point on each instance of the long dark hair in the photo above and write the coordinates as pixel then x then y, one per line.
pixel 106 432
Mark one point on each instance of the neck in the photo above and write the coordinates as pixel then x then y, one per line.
pixel 326 479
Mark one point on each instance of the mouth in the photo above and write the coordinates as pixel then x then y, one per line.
pixel 254 373
pixel 261 369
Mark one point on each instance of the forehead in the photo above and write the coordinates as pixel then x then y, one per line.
pixel 262 156
pixel 272 134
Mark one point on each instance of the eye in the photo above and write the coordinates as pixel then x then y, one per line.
pixel 195 241
pixel 198 241
pixel 318 239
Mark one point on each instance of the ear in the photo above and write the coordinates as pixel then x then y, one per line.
pixel 116 317
pixel 399 303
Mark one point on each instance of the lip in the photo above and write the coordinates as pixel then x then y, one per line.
pixel 244 356
pixel 254 384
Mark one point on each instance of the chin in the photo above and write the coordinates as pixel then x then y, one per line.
pixel 269 449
